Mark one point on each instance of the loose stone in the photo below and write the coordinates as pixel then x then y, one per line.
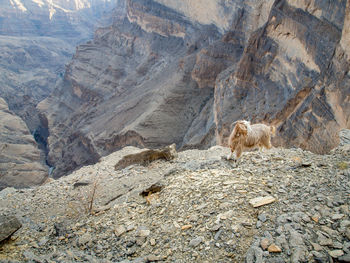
pixel 336 253
pixel 262 218
pixel 264 243
pixel 262 200
pixel 273 248
pixel 8 225
pixel 84 239
pixel 316 246
pixel 185 227
pixel 196 241
pixel 119 230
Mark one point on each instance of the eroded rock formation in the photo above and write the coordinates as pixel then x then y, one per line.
pixel 20 164
pixel 147 156
pixel 292 74
pixel 37 39
pixel 163 74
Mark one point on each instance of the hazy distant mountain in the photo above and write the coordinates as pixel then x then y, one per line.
pixel 65 19
pixel 37 39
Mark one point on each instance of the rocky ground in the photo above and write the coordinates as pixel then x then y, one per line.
pixel 194 208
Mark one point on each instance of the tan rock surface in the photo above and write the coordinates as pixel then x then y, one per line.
pixel 20 164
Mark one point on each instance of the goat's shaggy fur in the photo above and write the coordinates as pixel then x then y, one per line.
pixel 246 136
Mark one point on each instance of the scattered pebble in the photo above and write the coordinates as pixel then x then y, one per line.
pixel 206 211
pixel 274 249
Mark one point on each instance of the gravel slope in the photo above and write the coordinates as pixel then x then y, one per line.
pixel 200 211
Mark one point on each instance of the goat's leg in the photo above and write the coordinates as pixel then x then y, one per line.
pixel 233 146
pixel 230 156
pixel 267 142
pixel 238 153
pixel 261 149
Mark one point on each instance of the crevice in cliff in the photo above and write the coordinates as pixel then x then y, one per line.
pixel 41 135
pixel 202 139
pixel 37 124
pixel 291 106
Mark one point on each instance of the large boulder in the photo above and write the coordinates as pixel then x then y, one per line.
pixel 8 225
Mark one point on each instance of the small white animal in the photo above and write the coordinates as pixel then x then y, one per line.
pixel 246 136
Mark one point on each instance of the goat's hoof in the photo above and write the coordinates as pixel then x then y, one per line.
pixel 229 158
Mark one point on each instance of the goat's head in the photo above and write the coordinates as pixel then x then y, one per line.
pixel 241 129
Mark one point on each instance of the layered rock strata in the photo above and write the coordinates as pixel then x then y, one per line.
pixel 37 39
pixel 163 74
pixel 292 74
pixel 20 164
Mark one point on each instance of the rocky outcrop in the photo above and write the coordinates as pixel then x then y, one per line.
pixel 8 225
pixel 225 15
pixel 147 156
pixel 20 164
pixel 163 74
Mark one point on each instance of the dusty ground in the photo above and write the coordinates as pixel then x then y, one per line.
pixel 200 211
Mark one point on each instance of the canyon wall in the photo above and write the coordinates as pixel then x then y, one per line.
pixel 293 74
pixel 167 72
pixel 57 18
pixel 20 164
pixel 37 40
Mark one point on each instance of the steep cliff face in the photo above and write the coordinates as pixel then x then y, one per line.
pixel 127 86
pixel 37 39
pixel 293 74
pixel 29 69
pixel 167 72
pixel 20 164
